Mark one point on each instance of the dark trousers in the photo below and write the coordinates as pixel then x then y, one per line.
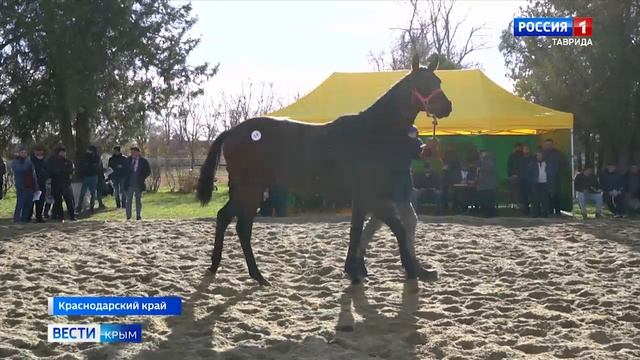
pixel 524 189
pixel 554 196
pixel 118 192
pixel 540 199
pixel 1 186
pixel 39 207
pixel 615 203
pixel 60 194
pixel 487 201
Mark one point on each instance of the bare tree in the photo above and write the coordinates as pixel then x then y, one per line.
pixel 212 115
pixel 433 30
pixel 190 125
pixel 248 103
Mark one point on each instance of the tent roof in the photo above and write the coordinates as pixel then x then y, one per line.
pixel 480 106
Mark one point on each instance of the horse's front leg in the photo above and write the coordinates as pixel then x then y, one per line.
pixel 352 263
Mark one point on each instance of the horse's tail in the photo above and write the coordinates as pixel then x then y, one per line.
pixel 208 169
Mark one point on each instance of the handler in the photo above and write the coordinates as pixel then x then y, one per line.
pixel 401 195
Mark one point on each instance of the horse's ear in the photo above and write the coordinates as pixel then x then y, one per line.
pixel 433 63
pixel 415 62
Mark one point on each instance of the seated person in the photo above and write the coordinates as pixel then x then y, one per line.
pixel 588 189
pixel 463 187
pixel 632 188
pixel 427 187
pixel 613 190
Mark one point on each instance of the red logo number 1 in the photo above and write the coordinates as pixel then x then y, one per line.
pixel 582 26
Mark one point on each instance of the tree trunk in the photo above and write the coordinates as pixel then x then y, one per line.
pixel 83 134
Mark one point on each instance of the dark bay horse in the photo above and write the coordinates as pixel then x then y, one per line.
pixel 348 158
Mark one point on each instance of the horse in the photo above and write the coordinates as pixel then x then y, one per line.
pixel 347 158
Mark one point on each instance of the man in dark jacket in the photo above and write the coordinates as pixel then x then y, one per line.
pixel 25 184
pixel 118 164
pixel 138 169
pixel 37 159
pixel 428 187
pixel 588 189
pixel 60 171
pixel 517 173
pixel 613 190
pixel 632 188
pixel 3 172
pixel 556 165
pixel 89 170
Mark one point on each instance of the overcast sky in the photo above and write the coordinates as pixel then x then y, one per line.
pixel 297 44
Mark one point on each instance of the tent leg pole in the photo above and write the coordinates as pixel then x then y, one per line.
pixel 573 167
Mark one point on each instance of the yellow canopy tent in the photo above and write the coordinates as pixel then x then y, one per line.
pixel 480 106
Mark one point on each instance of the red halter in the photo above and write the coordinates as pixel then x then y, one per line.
pixel 425 104
pixel 425 100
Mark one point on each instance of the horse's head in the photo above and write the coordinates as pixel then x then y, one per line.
pixel 426 93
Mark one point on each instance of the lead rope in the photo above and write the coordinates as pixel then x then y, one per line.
pixel 435 123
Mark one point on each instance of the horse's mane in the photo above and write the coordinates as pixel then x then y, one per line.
pixel 374 118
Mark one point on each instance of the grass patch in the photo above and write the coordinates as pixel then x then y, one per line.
pixel 160 205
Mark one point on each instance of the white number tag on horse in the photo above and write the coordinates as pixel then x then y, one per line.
pixel 256 135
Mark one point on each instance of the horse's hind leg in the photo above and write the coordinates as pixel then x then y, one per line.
pixel 388 214
pixel 353 265
pixel 223 219
pixel 248 205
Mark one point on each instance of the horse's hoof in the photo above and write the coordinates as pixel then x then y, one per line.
pixel 427 275
pixel 356 281
pixel 212 270
pixel 263 282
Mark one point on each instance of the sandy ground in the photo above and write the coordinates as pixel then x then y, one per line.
pixel 509 288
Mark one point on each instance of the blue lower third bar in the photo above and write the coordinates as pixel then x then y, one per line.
pixel 114 305
pixel 105 333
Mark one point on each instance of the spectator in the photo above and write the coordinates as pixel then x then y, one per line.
pixel 101 186
pixel 138 169
pixel 37 159
pixel 89 170
pixel 556 165
pixel 538 179
pixel 25 184
pixel 60 171
pixel 428 188
pixel 487 184
pixel 3 172
pixel 48 198
pixel 463 182
pixel 588 189
pixel 613 190
pixel 275 201
pixel 517 174
pixel 118 164
pixel 632 188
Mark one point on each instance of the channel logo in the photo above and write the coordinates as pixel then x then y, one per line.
pixel 104 333
pixel 555 27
